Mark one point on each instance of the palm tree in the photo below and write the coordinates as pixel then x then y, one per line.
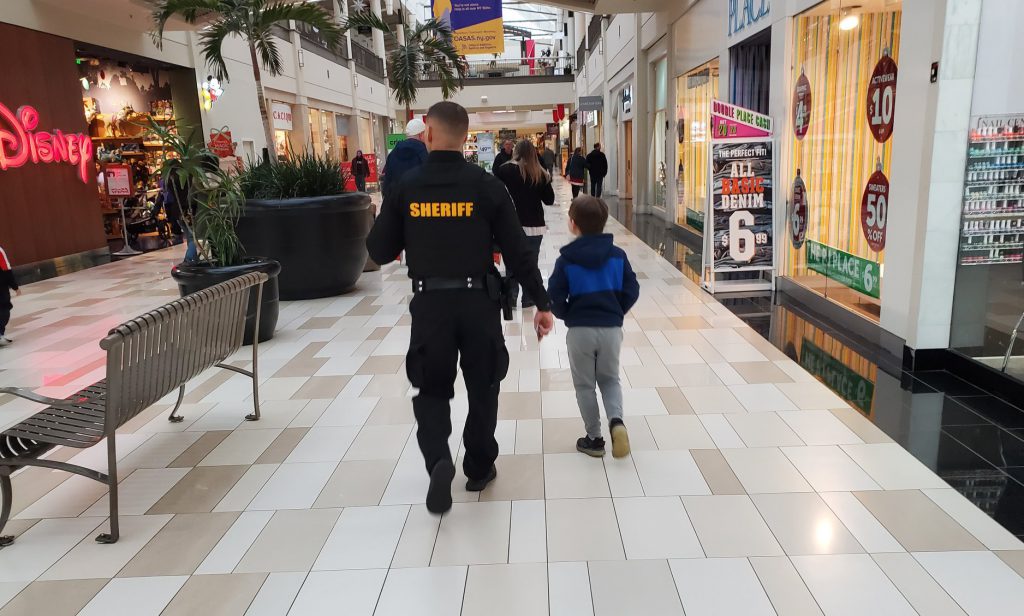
pixel 427 45
pixel 253 21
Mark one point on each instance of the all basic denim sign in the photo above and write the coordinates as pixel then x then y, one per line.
pixel 743 13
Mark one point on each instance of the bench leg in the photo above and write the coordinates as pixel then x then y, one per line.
pixel 255 415
pixel 115 532
pixel 174 417
pixel 6 493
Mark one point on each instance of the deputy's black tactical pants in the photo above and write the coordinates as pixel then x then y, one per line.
pixel 445 326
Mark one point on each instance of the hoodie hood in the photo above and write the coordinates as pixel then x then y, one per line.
pixel 589 251
pixel 410 149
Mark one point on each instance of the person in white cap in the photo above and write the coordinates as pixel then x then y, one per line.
pixel 410 153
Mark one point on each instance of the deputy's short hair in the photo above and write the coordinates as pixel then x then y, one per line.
pixel 589 214
pixel 450 117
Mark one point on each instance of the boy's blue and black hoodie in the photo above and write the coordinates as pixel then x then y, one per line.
pixel 593 284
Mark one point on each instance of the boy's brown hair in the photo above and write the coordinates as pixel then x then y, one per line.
pixel 589 214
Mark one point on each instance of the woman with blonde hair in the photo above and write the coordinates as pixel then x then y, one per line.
pixel 530 187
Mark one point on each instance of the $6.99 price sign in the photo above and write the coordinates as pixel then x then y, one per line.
pixel 742 204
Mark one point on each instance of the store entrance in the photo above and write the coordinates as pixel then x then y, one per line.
pixel 121 95
pixel 627 153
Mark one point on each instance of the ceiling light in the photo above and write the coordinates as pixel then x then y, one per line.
pixel 849 20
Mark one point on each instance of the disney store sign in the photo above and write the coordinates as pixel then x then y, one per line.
pixel 21 143
pixel 743 13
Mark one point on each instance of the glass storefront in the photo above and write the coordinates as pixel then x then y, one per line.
pixel 843 97
pixel 659 171
pixel 694 92
pixel 322 132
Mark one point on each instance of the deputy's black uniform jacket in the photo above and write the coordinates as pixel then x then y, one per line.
pixel 447 215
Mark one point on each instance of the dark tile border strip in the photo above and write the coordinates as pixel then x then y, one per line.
pixel 51 268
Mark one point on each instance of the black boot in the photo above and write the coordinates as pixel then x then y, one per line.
pixel 439 494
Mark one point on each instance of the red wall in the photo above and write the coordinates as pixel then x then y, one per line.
pixel 46 211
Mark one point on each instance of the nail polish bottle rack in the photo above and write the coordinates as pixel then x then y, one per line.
pixel 992 223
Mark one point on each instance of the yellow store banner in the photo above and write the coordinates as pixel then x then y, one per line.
pixel 476 25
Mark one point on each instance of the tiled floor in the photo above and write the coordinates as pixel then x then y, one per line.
pixel 752 488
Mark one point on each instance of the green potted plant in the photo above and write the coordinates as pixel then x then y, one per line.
pixel 299 211
pixel 211 202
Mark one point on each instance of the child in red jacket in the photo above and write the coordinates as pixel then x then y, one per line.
pixel 7 284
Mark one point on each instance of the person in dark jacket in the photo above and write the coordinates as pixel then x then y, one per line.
pixel 598 164
pixel 360 170
pixel 592 288
pixel 503 156
pixel 547 158
pixel 7 284
pixel 576 171
pixel 530 187
pixel 409 154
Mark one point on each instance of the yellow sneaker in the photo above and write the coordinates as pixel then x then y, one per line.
pixel 620 439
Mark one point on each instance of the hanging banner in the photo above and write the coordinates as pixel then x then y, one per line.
pixel 798 212
pixel 551 128
pixel 485 150
pixel 801 106
pixel 741 202
pixel 850 270
pixel 731 122
pixel 881 105
pixel 874 209
pixel 476 25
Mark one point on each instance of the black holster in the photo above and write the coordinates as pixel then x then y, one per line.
pixel 499 289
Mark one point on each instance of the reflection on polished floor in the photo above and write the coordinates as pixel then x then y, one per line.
pixel 753 488
pixel 973 440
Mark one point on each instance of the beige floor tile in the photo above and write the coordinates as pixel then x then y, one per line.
pixel 200 490
pixel 32 484
pixel 763 430
pixel 356 483
pixel 717 472
pixel 623 587
pixel 520 477
pixel 385 385
pixel 506 590
pixel 56 598
pixel 519 405
pixel 679 432
pixel 291 541
pixel 694 375
pixel 765 470
pixel 921 590
pixel 715 399
pixel 208 386
pixel 382 364
pixel 675 401
pixel 379 442
pixel 216 595
pixel 282 446
pixel 560 434
pixel 755 372
pixel 321 388
pixel 394 411
pixel 181 545
pixel 301 366
pixel 581 529
pixel 473 534
pixel 200 449
pixel 1013 558
pixel 319 323
pixel 730 526
pixel 689 323
pixel 782 584
pixel 861 426
pixel 916 522
pixel 804 524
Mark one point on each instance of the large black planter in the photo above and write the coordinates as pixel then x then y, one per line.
pixel 319 241
pixel 192 278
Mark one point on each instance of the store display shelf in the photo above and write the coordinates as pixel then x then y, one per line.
pixel 995 167
pixel 996 153
pixel 987 232
pixel 1007 246
pixel 1012 260
pixel 997 139
pixel 1017 213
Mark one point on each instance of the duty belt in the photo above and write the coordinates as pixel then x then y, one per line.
pixel 423 285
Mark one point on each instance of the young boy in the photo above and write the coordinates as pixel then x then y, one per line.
pixel 592 288
pixel 7 284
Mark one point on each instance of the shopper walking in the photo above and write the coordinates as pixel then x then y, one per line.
pixel 409 154
pixel 360 170
pixel 446 216
pixel 7 284
pixel 503 156
pixel 530 187
pixel 597 162
pixel 547 158
pixel 576 171
pixel 592 288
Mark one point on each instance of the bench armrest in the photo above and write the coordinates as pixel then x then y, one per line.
pixel 28 394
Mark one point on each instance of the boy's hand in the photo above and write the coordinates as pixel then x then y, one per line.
pixel 543 323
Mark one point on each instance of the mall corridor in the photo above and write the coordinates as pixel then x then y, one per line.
pixel 752 488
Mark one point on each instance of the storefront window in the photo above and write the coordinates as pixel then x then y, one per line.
pixel 839 131
pixel 321 125
pixel 694 92
pixel 659 171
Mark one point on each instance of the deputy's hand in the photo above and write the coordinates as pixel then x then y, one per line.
pixel 18 293
pixel 543 323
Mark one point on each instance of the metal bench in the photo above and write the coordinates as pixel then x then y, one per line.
pixel 147 358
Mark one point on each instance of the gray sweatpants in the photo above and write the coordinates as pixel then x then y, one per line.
pixel 594 361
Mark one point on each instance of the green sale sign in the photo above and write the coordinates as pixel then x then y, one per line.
pixel 852 387
pixel 857 273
